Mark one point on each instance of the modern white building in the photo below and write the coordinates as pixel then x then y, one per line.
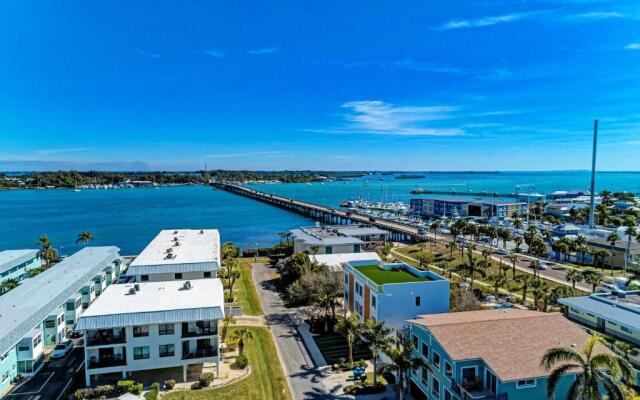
pixel 335 261
pixel 38 312
pixel 335 239
pixel 178 255
pixel 393 292
pixel 153 325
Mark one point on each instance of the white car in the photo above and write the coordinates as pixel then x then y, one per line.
pixel 542 265
pixel 62 349
pixel 501 251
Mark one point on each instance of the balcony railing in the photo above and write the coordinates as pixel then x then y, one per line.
pixel 199 332
pixel 200 353
pixel 472 392
pixel 108 362
pixel 98 339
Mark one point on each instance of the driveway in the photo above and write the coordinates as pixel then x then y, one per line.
pixel 306 381
pixel 52 380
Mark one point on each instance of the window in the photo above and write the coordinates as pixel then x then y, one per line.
pixel 144 278
pixel 178 276
pixel 141 330
pixel 425 376
pixel 525 383
pixel 37 340
pixel 70 307
pixel 425 351
pixel 141 353
pixel 167 350
pixel 356 248
pixel 435 388
pixel 625 329
pixel 436 359
pixel 417 301
pixel 166 329
pixel 346 278
pixel 24 348
pixel 49 324
pixel 447 395
pixel 328 250
pixel 60 319
pixel 448 370
pixel 207 274
pixel 414 339
pixel 373 301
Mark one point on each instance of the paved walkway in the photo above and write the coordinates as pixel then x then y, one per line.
pixel 306 380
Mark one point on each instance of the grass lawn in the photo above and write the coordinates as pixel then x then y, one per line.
pixel 245 291
pixel 333 347
pixel 442 254
pixel 266 382
pixel 381 276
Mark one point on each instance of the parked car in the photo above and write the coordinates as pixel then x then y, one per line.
pixel 501 251
pixel 62 349
pixel 542 265
pixel 75 334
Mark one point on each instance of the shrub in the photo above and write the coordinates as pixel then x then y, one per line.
pixel 169 384
pixel 82 394
pixel 241 362
pixel 125 386
pixel 153 393
pixel 206 379
pixel 137 388
pixel 104 390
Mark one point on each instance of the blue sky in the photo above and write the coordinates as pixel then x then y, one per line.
pixel 421 85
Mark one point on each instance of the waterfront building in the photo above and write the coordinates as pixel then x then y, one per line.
pixel 489 354
pixel 335 239
pixel 564 230
pixel 392 292
pixel 15 264
pixel 38 312
pixel 465 207
pixel 153 325
pixel 616 314
pixel 335 261
pixel 178 255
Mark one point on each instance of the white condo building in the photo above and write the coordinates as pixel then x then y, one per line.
pixel 153 325
pixel 178 254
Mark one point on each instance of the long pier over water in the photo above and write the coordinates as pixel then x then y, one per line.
pixel 399 230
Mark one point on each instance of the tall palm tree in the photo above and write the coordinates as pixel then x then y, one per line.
pixel 445 267
pixel 630 232
pixel 350 327
pixel 378 336
pixel 518 241
pixel 8 284
pixel 594 371
pixel 435 227
pixel 228 320
pixel 574 276
pixel 593 278
pixel 526 280
pixel 580 242
pixel 403 361
pixel 242 334
pixel 513 257
pixel 498 280
pixel 452 246
pixel 471 265
pixel 84 237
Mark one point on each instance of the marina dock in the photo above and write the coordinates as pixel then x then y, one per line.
pixel 399 231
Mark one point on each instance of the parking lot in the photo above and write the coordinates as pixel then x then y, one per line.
pixel 53 380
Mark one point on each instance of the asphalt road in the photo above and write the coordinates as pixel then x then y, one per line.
pixel 306 381
pixel 52 380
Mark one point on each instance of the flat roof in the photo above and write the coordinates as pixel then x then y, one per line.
pixel 174 247
pixel 351 230
pixel 24 307
pixel 382 276
pixel 155 303
pixel 625 312
pixel 335 260
pixel 510 341
pixel 471 200
pixel 11 258
pixel 323 235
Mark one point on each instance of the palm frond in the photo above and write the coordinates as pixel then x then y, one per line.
pixel 558 355
pixel 554 378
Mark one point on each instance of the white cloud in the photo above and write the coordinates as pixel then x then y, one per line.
pixel 599 15
pixel 215 53
pixel 147 54
pixel 378 117
pixel 262 51
pixel 633 46
pixel 65 150
pixel 245 154
pixel 484 21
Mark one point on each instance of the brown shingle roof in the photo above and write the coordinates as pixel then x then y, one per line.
pixel 511 342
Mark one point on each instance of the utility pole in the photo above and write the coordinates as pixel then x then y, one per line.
pixel 593 174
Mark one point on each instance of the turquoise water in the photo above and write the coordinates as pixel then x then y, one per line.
pixel 130 218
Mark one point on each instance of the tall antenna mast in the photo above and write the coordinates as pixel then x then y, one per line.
pixel 593 174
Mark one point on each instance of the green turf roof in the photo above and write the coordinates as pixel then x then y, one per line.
pixel 382 277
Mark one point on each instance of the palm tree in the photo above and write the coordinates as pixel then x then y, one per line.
pixel 435 227
pixel 574 276
pixel 228 320
pixel 49 255
pixel 378 336
pixel 403 361
pixel 350 328
pixel 613 238
pixel 526 280
pixel 242 334
pixel 424 260
pixel 630 232
pixel 593 278
pixel 84 237
pixel 452 246
pixel 8 284
pixel 498 280
pixel 593 371
pixel 445 267
pixel 518 241
pixel 513 257
pixel 580 242
pixel 44 242
pixel 486 253
pixel 627 349
pixel 472 265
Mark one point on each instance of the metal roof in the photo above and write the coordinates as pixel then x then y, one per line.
pixel 172 268
pixel 181 246
pixel 605 310
pixel 155 303
pixel 26 306
pixel 11 258
pixel 323 236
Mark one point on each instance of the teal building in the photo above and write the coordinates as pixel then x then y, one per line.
pixel 15 264
pixel 489 354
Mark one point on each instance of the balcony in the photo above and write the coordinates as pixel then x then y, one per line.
pixel 200 353
pixel 201 329
pixel 106 362
pixel 100 338
pixel 476 392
